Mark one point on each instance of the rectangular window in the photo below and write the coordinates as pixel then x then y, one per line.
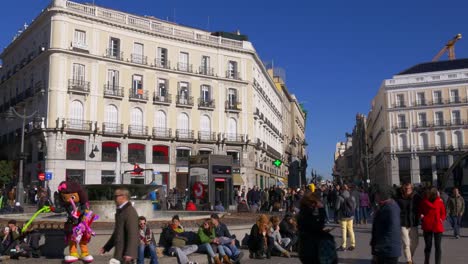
pixel 162 58
pixel 456 120
pixel 137 84
pixel 78 72
pixel 442 162
pixel 439 118
pixel 454 98
pixel 79 40
pixel 400 100
pixel 77 176
pixel 205 93
pixel 421 99
pixel 232 70
pixel 437 97
pixel 114 48
pixel 109 151
pixel 76 149
pixel 183 92
pixel 422 119
pixel 404 169
pixel 107 177
pixel 162 89
pixel 183 61
pixel 112 79
pixel 205 65
pixel 137 56
pixel 160 155
pixel 401 121
pixel 232 97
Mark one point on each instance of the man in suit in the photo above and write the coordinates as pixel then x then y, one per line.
pixel 125 237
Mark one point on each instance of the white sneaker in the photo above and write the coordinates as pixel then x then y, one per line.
pixel 88 259
pixel 71 259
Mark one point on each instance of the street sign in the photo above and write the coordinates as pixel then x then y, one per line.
pixel 48 175
pixel 277 163
pixel 41 176
pixel 198 190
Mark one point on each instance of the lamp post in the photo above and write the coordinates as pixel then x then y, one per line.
pixel 11 115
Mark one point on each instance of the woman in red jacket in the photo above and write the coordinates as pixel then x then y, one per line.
pixel 432 212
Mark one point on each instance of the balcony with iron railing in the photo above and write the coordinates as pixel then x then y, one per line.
pixel 184 134
pixel 162 132
pixel 139 58
pixel 113 91
pixel 78 86
pixel 160 63
pixel 233 75
pixel 160 160
pixel 455 100
pixel 436 102
pixel 80 46
pixel 137 131
pixel 112 128
pixel 399 105
pixel 78 125
pixel 421 102
pixel 207 104
pixel 206 71
pixel 234 137
pixel 232 106
pixel 137 95
pixel 152 25
pixel 184 101
pixel 422 124
pixel 184 67
pixel 162 99
pixel 207 136
pixel 114 54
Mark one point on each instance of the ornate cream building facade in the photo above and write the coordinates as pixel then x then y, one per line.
pixel 417 123
pixel 112 89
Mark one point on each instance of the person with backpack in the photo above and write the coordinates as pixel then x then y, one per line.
pixel 345 207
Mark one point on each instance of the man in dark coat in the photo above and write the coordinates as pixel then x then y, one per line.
pixel 386 235
pixel 125 237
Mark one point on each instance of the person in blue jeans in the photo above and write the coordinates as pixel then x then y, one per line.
pixel 209 242
pixel 146 242
pixel 225 239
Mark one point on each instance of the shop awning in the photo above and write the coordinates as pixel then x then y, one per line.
pixel 237 179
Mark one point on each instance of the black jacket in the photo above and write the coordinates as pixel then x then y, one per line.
pixel 287 229
pixel 409 207
pixel 222 231
pixel 386 233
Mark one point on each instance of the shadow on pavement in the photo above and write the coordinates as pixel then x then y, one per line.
pixel 353 261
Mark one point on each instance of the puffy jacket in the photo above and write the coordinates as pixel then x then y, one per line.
pixel 409 206
pixel 433 215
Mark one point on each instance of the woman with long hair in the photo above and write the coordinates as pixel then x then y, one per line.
pixel 260 243
pixel 432 211
pixel 209 242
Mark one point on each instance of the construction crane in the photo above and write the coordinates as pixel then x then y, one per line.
pixel 450 47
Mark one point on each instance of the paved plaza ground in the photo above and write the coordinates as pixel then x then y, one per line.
pixel 454 252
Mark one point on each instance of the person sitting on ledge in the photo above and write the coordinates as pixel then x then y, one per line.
pixel 146 242
pixel 242 207
pixel 219 207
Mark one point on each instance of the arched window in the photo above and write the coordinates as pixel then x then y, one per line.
pixel 137 121
pixel 109 151
pixel 76 115
pixel 402 142
pixel 440 139
pixel 183 126
pixel 111 123
pixel 205 123
pixel 457 139
pixel 232 129
pixel 136 153
pixel 423 141
pixel 160 120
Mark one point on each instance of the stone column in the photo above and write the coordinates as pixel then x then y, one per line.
pixel 415 171
pixel 434 169
pixel 394 173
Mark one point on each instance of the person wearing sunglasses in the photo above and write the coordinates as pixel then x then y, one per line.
pixel 147 242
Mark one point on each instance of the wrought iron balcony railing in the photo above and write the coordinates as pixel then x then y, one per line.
pixel 112 128
pixel 160 99
pixel 79 86
pixel 184 100
pixel 114 54
pixel 139 94
pixel 113 90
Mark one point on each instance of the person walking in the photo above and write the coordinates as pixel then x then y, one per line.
pixel 125 235
pixel 386 235
pixel 364 205
pixel 345 207
pixel 455 210
pixel 433 215
pixel 409 201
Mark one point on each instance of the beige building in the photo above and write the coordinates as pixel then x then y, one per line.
pixel 112 89
pixel 417 123
pixel 294 118
pixel 343 160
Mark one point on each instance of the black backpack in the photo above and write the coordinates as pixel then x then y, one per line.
pixel 348 207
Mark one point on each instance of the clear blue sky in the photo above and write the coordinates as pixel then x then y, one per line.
pixel 335 53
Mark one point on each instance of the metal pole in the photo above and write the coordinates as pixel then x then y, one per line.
pixel 20 187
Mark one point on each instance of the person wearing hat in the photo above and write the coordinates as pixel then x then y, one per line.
pixel 386 235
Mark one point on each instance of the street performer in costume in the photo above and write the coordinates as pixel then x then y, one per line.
pixel 74 201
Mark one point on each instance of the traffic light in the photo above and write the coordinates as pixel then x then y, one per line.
pixel 277 163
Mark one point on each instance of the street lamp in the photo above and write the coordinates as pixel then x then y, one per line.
pixel 12 114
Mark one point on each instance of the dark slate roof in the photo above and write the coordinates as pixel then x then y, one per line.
pixel 437 66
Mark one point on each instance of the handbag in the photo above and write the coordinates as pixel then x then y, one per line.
pixel 178 242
